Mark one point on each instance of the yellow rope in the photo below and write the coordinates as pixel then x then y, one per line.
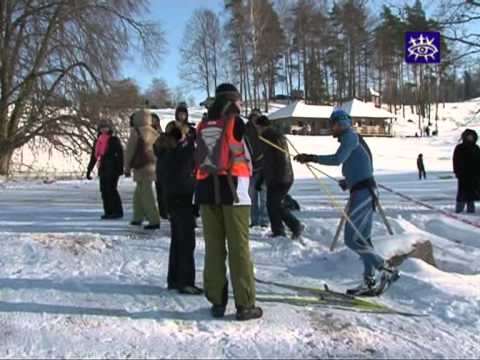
pixel 320 181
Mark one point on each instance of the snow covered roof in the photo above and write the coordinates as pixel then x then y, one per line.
pixel 358 109
pixel 301 110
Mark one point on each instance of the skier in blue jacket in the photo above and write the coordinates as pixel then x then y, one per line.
pixel 357 168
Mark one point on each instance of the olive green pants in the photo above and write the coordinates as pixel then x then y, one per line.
pixel 227 227
pixel 144 203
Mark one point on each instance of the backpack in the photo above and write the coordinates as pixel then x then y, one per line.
pixel 212 154
pixel 141 157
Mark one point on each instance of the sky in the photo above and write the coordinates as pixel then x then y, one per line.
pixel 173 16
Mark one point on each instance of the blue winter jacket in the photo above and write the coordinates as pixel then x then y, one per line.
pixel 357 164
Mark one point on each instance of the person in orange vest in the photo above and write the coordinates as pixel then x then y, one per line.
pixel 223 176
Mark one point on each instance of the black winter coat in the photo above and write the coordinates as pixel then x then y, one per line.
pixel 277 169
pixel 254 146
pixel 466 165
pixel 178 177
pixel 112 162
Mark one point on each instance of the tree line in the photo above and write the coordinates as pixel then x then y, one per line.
pixel 331 51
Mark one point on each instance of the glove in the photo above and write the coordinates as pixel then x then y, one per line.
pixel 89 176
pixel 305 158
pixel 343 184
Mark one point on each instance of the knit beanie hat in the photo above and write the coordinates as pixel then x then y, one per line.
pixel 341 118
pixel 228 91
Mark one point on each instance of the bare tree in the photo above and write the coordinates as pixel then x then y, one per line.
pixel 201 50
pixel 158 94
pixel 57 49
pixel 460 20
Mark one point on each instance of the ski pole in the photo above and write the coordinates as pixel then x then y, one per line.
pixel 339 228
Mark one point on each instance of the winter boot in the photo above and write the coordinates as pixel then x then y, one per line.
pixel 136 223
pixel 190 290
pixel 366 288
pixel 218 311
pixel 151 227
pixel 297 233
pixel 252 313
pixel 388 275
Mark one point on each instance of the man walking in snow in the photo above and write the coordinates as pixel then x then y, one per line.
pixel 278 175
pixel 258 194
pixel 466 166
pixel 356 158
pixel 421 167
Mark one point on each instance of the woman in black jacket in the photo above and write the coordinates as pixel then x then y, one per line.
pixel 107 153
pixel 466 165
pixel 179 184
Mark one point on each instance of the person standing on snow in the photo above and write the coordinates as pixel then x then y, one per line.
pixel 259 216
pixel 158 149
pixel 466 166
pixel 181 118
pixel 179 185
pixel 278 175
pixel 140 157
pixel 421 167
pixel 107 154
pixel 357 168
pixel 223 176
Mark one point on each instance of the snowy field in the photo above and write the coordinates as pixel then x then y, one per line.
pixel 72 286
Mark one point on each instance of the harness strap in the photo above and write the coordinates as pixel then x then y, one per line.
pixel 369 184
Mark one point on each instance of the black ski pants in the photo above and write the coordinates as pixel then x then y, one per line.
pixel 112 203
pixel 181 266
pixel 277 212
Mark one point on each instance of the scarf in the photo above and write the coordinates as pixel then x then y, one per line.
pixel 101 147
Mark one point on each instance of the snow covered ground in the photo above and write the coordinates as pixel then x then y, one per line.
pixel 76 287
pixel 73 286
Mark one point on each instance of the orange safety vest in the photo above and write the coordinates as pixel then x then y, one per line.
pixel 233 155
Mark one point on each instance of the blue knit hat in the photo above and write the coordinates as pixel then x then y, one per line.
pixel 341 118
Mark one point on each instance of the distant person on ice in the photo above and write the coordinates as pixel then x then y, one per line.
pixel 179 186
pixel 421 167
pixel 140 157
pixel 357 168
pixel 223 176
pixel 466 165
pixel 107 154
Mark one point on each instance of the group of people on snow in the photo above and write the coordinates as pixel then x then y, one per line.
pixel 234 175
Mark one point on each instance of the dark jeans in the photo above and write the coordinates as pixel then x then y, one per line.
pixel 422 173
pixel 277 212
pixel 162 203
pixel 112 204
pixel 181 265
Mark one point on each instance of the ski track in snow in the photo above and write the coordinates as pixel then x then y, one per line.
pixel 73 286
